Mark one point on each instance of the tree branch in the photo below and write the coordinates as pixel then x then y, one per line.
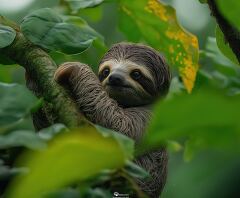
pixel 40 67
pixel 232 35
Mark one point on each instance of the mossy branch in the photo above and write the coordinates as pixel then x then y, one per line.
pixel 232 35
pixel 40 67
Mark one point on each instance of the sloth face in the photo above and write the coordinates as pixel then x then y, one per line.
pixel 134 74
pixel 128 83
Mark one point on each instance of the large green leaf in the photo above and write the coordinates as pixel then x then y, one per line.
pixel 75 5
pixel 156 23
pixel 47 29
pixel 7 35
pixel 230 10
pixel 224 46
pixel 70 157
pixel 206 119
pixel 16 102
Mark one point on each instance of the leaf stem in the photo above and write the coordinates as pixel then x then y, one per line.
pixel 232 35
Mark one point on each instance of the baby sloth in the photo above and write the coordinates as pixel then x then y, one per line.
pixel 130 78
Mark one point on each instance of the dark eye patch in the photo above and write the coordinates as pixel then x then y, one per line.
pixel 144 81
pixel 136 74
pixel 104 73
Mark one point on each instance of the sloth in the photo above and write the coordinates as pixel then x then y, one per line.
pixel 130 78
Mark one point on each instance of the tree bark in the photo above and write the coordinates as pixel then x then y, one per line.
pixel 40 68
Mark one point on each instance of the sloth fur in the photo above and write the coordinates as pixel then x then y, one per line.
pixel 96 101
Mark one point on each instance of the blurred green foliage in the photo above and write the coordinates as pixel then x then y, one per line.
pixel 203 125
pixel 68 158
pixel 7 35
pixel 198 120
pixel 76 5
pixel 16 102
pixel 230 10
pixel 224 46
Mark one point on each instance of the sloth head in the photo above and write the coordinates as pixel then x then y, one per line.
pixel 134 74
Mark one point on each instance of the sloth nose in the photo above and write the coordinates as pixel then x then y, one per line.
pixel 116 79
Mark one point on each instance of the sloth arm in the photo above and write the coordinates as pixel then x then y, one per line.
pixel 94 102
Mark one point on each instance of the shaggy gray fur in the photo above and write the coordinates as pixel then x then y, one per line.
pixel 99 108
pixel 95 103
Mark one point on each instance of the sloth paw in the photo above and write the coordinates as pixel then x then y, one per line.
pixel 64 72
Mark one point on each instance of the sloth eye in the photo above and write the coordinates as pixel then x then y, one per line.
pixel 136 74
pixel 105 72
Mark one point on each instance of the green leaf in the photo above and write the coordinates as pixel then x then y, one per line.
pixel 136 171
pixel 47 29
pixel 156 24
pixel 5 73
pixel 50 132
pixel 174 146
pixel 230 10
pixel 70 157
pixel 16 102
pixel 224 46
pixel 98 193
pixel 83 26
pixel 212 51
pixel 6 171
pixel 216 69
pixel 65 193
pixel 75 5
pixel 203 1
pixel 126 143
pixel 80 193
pixel 28 139
pixel 7 35
pixel 206 119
